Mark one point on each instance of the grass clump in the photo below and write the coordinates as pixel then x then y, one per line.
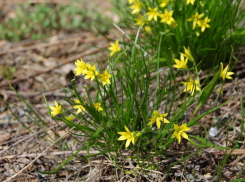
pixel 128 112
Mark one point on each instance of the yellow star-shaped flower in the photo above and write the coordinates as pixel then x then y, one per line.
pixel 163 3
pixel 129 136
pixel 131 1
pixel 70 118
pixel 190 1
pixel 114 48
pixel 182 63
pixel 167 17
pixel 105 78
pixel 136 7
pixel 91 72
pixel 180 131
pixel 152 14
pixel 191 85
pixel 188 54
pixel 224 72
pixel 56 109
pixel 204 24
pixel 157 117
pixel 81 67
pixel 195 18
pixel 79 107
pixel 139 20
pixel 98 107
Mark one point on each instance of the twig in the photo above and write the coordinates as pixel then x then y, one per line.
pixel 38 156
pixel 47 154
pixel 25 138
pixel 81 39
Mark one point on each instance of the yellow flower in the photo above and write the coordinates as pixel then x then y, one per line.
pixel 147 29
pixel 157 117
pixel 136 7
pixel 164 3
pixel 79 107
pixel 91 72
pixel 190 1
pixel 70 118
pixel 224 72
pixel 131 1
pixel 174 24
pixel 204 24
pixel 152 14
pixel 97 107
pixel 105 78
pixel 180 131
pixel 81 67
pixel 182 63
pixel 56 109
pixel 114 48
pixel 191 85
pixel 129 136
pixel 195 18
pixel 188 54
pixel 167 17
pixel 139 20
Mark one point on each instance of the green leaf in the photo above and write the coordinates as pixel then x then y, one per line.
pixel 196 144
pixel 80 127
pixel 207 143
pixel 192 122
pixel 207 91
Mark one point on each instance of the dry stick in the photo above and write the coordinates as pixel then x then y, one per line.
pixel 69 152
pixel 47 154
pixel 27 137
pixel 233 163
pixel 38 156
pixel 68 60
pixel 81 39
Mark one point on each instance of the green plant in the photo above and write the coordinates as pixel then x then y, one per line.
pixel 37 21
pixel 208 28
pixel 122 108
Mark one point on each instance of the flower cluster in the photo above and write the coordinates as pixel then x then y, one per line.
pixel 166 16
pixel 134 135
pixel 158 118
pixel 152 14
pixel 196 18
pixel 57 109
pixel 192 85
pixel 90 72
